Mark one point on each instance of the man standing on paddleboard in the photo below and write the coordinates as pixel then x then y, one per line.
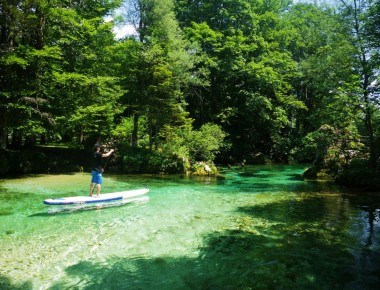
pixel 97 170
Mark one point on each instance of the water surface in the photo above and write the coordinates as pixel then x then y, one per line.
pixel 258 227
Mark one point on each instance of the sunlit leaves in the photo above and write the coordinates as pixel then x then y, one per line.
pixel 205 143
pixel 13 59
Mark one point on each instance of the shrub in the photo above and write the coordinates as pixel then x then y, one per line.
pixel 205 143
pixel 359 174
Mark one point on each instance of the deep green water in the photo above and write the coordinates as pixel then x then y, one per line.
pixel 259 227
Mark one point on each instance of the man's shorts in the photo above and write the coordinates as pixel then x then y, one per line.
pixel 96 177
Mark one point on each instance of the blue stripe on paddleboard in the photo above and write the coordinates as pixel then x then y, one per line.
pixel 61 201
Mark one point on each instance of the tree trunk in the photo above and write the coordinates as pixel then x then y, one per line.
pixel 150 125
pixel 135 130
pixel 30 141
pixel 43 139
pixel 16 139
pixel 3 128
pixel 371 137
pixel 81 135
pixel 367 109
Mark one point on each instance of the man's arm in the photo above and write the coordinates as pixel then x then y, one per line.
pixel 108 153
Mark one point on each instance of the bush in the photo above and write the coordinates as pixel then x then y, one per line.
pixel 138 160
pixel 205 143
pixel 175 150
pixel 359 174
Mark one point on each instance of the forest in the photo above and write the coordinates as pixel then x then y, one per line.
pixel 218 82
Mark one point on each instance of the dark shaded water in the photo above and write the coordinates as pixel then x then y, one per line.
pixel 259 227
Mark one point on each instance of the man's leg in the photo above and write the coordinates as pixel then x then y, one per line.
pixel 93 181
pixel 91 188
pixel 98 188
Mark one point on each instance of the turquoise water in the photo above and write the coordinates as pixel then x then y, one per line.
pixel 259 227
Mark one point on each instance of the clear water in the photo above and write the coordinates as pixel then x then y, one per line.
pixel 257 227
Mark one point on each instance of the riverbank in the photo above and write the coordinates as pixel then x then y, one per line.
pixel 358 175
pixel 42 160
pixel 53 160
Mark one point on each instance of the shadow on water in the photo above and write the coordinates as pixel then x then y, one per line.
pixel 6 284
pixel 290 244
pixel 311 234
pixel 267 185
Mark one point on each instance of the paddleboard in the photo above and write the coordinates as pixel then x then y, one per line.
pixel 107 197
pixel 91 206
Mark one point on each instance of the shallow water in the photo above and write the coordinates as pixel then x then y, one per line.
pixel 258 227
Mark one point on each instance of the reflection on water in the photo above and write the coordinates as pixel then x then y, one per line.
pixel 70 209
pixel 259 227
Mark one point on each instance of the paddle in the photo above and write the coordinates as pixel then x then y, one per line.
pixel 105 165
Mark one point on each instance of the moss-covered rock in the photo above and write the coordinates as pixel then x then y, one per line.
pixel 204 168
pixel 314 172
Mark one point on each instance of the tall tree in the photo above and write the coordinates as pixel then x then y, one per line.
pixel 24 64
pixel 86 105
pixel 247 72
pixel 154 84
pixel 42 41
pixel 315 39
pixel 357 16
pixel 372 25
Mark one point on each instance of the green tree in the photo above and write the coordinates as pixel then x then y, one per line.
pixel 204 144
pixel 52 62
pixel 26 63
pixel 241 62
pixel 372 26
pixel 359 21
pixel 159 70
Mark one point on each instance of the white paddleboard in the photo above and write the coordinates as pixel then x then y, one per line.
pixel 107 197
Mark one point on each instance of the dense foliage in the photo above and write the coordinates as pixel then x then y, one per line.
pixel 218 80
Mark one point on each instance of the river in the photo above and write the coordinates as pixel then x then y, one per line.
pixel 258 227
